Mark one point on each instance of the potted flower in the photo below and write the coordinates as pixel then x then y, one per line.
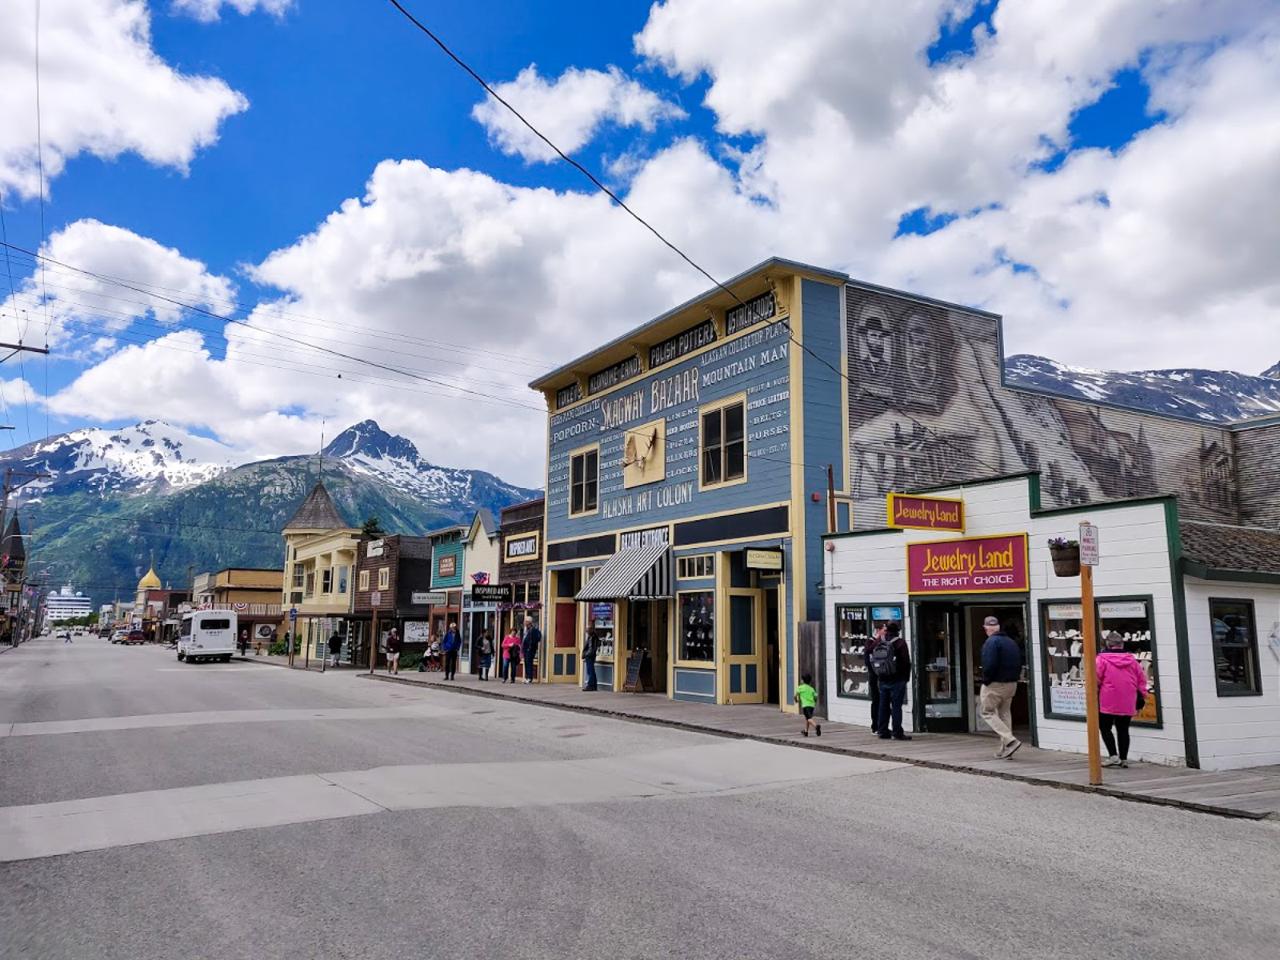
pixel 1066 556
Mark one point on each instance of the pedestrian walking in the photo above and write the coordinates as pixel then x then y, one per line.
pixel 1001 671
pixel 529 644
pixel 807 697
pixel 393 651
pixel 1122 693
pixel 873 684
pixel 891 668
pixel 486 653
pixel 335 646
pixel 449 647
pixel 590 647
pixel 244 642
pixel 510 656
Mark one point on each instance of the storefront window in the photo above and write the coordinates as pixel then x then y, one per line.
pixel 856 624
pixel 600 619
pixel 697 626
pixel 1235 648
pixel 1062 652
pixel 534 592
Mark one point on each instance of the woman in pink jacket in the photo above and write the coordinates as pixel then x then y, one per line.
pixel 1120 680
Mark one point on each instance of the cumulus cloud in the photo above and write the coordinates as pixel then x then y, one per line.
pixel 570 110
pixel 103 91
pixel 208 11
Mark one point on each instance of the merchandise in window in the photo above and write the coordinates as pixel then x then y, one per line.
pixel 856 625
pixel 697 626
pixel 1062 653
pixel 1235 648
pixel 584 472
pixel 600 619
pixel 724 446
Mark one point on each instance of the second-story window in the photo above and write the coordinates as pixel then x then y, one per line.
pixel 724 444
pixel 584 481
pixel 384 578
pixel 298 574
pixel 364 580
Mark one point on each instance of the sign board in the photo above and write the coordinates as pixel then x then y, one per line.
pixel 422 598
pixel 520 547
pixel 417 631
pixel 925 513
pixel 1089 546
pixel 633 683
pixel 970 565
pixel 447 565
pixel 764 559
pixel 748 314
pixel 375 598
pixel 491 593
pixel 644 538
pixel 293 613
pixel 374 548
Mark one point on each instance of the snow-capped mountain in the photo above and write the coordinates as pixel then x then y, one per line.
pixel 151 456
pixel 368 449
pixel 1212 395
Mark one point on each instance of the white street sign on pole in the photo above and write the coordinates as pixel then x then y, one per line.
pixel 1089 547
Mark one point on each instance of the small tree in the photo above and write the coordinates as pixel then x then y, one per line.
pixel 372 528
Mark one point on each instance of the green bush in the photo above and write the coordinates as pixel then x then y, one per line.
pixel 410 661
pixel 279 648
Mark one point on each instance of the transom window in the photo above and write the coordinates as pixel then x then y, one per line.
pixel 696 568
pixel 724 444
pixel 584 481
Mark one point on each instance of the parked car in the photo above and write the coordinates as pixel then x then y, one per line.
pixel 207 635
pixel 134 636
pixel 117 636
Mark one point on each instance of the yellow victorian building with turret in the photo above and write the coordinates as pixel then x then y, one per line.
pixel 320 557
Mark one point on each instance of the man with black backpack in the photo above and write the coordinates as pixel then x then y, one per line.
pixel 890 663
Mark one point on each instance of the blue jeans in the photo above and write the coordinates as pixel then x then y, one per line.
pixel 892 693
pixel 590 667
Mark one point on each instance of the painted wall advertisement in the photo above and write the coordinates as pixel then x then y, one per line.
pixel 970 565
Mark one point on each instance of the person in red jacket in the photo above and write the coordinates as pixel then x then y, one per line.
pixel 1120 680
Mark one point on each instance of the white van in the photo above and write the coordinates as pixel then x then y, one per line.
pixel 207 635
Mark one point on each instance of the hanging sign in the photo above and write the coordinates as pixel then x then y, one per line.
pixel 764 559
pixel 970 565
pixel 925 513
pixel 423 598
pixel 491 593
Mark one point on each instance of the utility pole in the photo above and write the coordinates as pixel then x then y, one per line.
pixel 1089 556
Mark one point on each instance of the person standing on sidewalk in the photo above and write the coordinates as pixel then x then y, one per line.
pixel 486 653
pixel 873 684
pixel 510 656
pixel 1121 681
pixel 393 651
pixel 449 647
pixel 891 667
pixel 335 646
pixel 529 644
pixel 590 646
pixel 1001 671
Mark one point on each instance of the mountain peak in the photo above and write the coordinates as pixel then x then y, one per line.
pixel 369 440
pixel 1273 372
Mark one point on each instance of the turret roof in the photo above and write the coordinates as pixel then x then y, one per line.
pixel 317 512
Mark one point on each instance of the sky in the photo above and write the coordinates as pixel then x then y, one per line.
pixel 233 198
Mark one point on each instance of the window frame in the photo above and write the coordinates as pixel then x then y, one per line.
pixel 362 581
pixel 680 660
pixel 719 407
pixel 384 578
pixel 1254 659
pixel 326 580
pixel 697 566
pixel 583 453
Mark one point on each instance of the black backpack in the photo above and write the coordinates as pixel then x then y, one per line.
pixel 884 659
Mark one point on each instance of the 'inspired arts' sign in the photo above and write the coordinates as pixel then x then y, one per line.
pixel 925 513
pixel 971 565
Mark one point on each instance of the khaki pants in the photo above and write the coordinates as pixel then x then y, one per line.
pixel 996 700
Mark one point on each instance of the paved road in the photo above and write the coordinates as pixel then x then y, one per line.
pixel 155 809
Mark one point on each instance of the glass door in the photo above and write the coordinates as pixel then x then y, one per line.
pixel 939 674
pixel 742 659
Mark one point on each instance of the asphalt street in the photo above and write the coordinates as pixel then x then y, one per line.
pixel 152 809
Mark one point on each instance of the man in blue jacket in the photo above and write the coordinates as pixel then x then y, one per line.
pixel 529 644
pixel 449 647
pixel 1001 671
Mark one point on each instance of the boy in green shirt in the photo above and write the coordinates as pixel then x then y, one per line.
pixel 807 697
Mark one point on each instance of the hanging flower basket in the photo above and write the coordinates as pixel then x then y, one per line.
pixel 1066 557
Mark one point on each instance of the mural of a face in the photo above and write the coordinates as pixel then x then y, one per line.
pixel 875 351
pixel 921 354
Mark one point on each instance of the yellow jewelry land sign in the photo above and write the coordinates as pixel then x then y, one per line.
pixel 925 513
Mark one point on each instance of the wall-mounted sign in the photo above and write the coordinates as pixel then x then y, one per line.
pixel 925 513
pixel 491 593
pixel 567 395
pixel 970 565
pixel 447 565
pixel 675 347
pixel 748 314
pixel 764 559
pixel 423 598
pixel 644 454
pixel 520 547
pixel 613 375
pixel 375 598
pixel 417 631
pixel 374 548
pixel 644 538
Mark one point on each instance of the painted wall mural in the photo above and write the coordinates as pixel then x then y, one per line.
pixel 927 407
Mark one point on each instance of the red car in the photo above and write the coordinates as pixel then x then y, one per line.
pixel 134 636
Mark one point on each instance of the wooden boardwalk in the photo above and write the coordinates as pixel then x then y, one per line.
pixel 1252 793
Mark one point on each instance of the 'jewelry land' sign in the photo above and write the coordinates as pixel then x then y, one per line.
pixel 925 513
pixel 971 565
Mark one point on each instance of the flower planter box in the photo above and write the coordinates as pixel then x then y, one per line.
pixel 1066 560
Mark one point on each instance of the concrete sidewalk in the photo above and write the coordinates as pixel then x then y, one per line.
pixel 1252 794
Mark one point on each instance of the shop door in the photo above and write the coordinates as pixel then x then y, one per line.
pixel 744 650
pixel 1013 620
pixel 564 645
pixel 940 667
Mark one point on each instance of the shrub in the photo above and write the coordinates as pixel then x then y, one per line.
pixel 410 661
pixel 279 648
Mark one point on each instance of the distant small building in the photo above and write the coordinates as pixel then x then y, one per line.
pixel 253 593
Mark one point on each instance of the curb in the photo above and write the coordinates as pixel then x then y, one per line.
pixel 812 744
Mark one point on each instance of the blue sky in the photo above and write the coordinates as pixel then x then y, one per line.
pixel 1075 138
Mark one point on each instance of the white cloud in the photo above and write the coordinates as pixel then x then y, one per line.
pixel 103 91
pixel 569 110
pixel 208 11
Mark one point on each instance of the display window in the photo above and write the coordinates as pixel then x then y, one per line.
pixel 1062 652
pixel 1235 648
pixel 698 626
pixel 856 626
pixel 600 618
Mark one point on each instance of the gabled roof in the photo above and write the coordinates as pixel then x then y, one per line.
pixel 1219 551
pixel 483 518
pixel 13 547
pixel 317 513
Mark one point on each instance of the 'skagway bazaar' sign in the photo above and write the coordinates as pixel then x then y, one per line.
pixel 971 565
pixel 926 513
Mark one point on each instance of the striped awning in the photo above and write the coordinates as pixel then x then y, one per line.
pixel 633 573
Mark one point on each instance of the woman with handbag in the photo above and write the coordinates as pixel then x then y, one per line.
pixel 1122 692
pixel 510 656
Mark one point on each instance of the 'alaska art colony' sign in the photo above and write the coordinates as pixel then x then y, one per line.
pixel 926 513
pixel 971 565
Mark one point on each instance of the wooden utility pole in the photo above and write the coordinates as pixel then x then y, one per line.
pixel 1088 559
